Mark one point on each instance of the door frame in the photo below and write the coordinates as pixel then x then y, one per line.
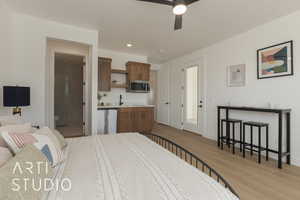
pixel 51 106
pixel 201 125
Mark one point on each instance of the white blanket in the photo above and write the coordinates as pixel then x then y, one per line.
pixel 131 167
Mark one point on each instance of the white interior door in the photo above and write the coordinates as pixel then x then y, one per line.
pixel 176 96
pixel 163 115
pixel 193 103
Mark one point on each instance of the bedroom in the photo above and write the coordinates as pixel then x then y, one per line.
pixel 232 39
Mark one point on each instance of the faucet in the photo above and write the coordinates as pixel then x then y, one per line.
pixel 121 102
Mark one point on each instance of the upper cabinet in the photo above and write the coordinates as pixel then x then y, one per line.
pixel 138 71
pixel 104 74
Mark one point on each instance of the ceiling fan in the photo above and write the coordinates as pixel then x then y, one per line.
pixel 179 8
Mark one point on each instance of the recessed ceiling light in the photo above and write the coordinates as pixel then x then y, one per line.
pixel 129 45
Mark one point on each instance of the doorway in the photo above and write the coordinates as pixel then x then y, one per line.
pixel 69 94
pixel 192 99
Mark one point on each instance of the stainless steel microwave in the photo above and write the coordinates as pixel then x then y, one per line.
pixel 139 87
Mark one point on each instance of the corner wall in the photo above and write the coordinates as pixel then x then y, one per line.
pixel 241 49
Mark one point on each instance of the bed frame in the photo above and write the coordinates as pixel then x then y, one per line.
pixel 190 158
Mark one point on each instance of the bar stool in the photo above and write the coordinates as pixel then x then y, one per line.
pixel 226 139
pixel 255 148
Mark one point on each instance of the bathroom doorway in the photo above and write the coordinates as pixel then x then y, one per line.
pixel 69 94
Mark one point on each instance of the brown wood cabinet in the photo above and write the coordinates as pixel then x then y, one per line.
pixel 138 71
pixel 104 74
pixel 135 119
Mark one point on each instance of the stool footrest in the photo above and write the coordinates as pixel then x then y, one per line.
pixel 256 149
pixel 224 140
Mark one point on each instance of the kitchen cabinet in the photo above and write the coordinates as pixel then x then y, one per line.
pixel 135 119
pixel 124 121
pixel 104 74
pixel 138 71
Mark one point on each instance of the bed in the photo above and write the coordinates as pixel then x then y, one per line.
pixel 133 167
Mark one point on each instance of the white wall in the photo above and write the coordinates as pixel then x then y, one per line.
pixel 6 72
pixel 119 61
pixel 28 67
pixel 241 49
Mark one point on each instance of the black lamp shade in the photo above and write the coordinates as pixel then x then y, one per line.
pixel 14 96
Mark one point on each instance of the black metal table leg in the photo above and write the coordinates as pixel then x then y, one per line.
pixel 244 143
pixel 267 142
pixel 259 145
pixel 280 140
pixel 227 128
pixel 288 137
pixel 222 135
pixel 251 135
pixel 241 143
pixel 219 118
pixel 233 138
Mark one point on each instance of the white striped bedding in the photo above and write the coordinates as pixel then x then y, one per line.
pixel 131 167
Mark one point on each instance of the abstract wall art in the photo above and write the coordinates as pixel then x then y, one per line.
pixel 275 61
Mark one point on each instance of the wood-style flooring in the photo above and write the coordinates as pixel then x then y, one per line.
pixel 252 181
pixel 71 131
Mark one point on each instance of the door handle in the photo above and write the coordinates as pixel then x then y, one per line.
pixel 200 106
pixel 167 103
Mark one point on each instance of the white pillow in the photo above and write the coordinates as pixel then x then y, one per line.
pixel 5 155
pixel 54 135
pixel 47 132
pixel 62 141
pixel 10 120
pixel 19 128
pixel 17 142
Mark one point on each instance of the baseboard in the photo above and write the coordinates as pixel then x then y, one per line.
pixel 296 162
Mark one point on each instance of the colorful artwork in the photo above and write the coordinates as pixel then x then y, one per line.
pixel 275 61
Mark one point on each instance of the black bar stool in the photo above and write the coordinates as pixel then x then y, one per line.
pixel 255 148
pixel 226 139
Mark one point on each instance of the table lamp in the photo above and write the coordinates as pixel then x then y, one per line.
pixel 15 96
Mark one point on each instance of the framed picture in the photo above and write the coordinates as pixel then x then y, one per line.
pixel 236 75
pixel 275 61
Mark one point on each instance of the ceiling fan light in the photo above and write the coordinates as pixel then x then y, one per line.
pixel 179 9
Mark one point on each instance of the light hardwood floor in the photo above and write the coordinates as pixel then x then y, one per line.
pixel 250 180
pixel 71 131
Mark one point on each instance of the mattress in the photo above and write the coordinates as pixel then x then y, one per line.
pixel 131 167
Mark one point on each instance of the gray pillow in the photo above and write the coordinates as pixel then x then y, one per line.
pixel 12 177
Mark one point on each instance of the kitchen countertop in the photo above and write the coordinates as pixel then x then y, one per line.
pixel 123 106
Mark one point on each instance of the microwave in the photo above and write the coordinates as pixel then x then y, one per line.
pixel 139 87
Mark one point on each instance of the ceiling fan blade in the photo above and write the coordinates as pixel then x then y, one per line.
pixel 188 2
pixel 178 22
pixel 165 2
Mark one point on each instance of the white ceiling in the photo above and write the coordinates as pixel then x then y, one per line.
pixel 150 26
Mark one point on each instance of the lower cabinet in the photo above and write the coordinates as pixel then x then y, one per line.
pixel 135 119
